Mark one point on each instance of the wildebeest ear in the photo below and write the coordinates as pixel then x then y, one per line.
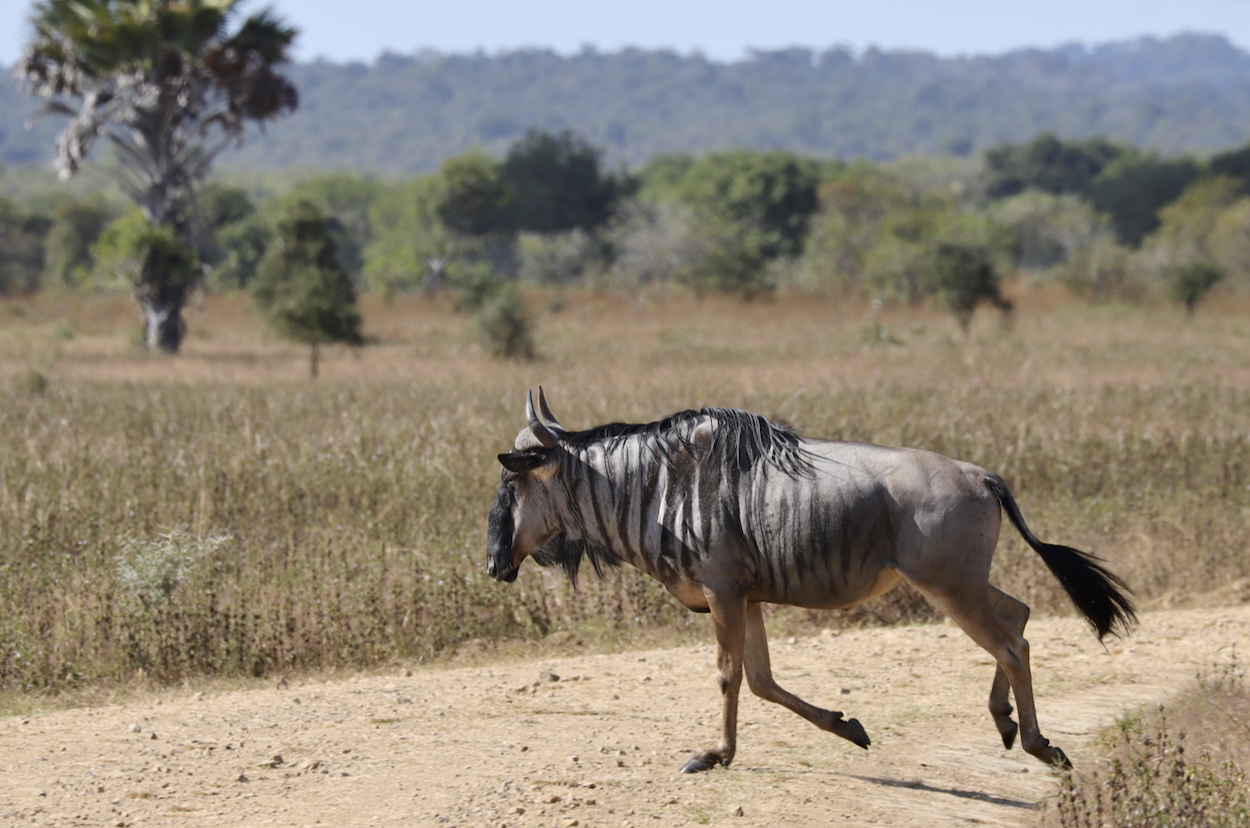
pixel 520 462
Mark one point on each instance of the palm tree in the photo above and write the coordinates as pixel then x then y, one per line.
pixel 170 84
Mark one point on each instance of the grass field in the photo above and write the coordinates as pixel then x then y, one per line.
pixel 219 514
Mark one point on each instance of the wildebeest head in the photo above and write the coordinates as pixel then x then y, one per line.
pixel 523 517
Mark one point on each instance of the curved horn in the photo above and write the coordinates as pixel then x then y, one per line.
pixel 540 431
pixel 546 417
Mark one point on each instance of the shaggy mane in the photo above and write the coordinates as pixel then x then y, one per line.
pixel 741 441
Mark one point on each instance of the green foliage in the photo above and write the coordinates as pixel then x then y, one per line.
pixel 1233 164
pixel 233 235
pixel 21 248
pixel 409 246
pixel 1192 281
pixel 1047 231
pixel 1134 187
pixel 242 246
pixel 964 276
pixel 474 202
pixel 302 288
pixel 1206 224
pixel 132 253
pixel 76 225
pixel 652 243
pixel 554 183
pixel 1047 164
pixel 345 199
pixel 768 197
pixel 1101 270
pixel 751 208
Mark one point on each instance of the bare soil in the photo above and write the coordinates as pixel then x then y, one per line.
pixel 598 740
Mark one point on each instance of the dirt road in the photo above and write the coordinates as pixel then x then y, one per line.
pixel 602 744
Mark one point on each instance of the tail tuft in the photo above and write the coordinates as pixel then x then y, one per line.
pixel 1098 593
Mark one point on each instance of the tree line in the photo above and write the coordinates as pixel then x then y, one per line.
pixel 1107 220
pixel 406 113
pixel 170 85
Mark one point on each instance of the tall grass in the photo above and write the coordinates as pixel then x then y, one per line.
pixel 196 516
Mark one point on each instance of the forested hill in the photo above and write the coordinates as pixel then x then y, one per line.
pixel 408 113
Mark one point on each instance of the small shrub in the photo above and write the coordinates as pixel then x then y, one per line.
pixel 1190 282
pixel 504 324
pixel 151 570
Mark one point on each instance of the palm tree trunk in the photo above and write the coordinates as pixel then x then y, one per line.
pixel 163 327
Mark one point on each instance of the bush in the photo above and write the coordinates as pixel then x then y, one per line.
pixel 965 276
pixel 1190 282
pixel 504 324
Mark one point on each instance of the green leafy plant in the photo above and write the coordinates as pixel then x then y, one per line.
pixel 302 288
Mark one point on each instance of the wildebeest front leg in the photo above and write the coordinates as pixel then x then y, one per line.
pixel 728 616
pixel 760 679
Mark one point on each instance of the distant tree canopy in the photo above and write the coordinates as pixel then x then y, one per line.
pixel 1127 185
pixel 555 182
pixel 1047 164
pixel 21 248
pixel 475 201
pixel 1135 186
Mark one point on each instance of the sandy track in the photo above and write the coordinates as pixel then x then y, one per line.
pixel 602 745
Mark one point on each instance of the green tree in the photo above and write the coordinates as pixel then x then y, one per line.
pixel 21 248
pixel 232 236
pixel 1047 164
pixel 76 225
pixel 345 199
pixel 1192 281
pixel 754 208
pixel 409 246
pixel 474 202
pixel 242 246
pixel 555 182
pixel 302 288
pixel 1134 187
pixel 170 84
pixel 1206 224
pixel 965 276
pixel 1233 164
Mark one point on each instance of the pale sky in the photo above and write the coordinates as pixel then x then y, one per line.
pixel 344 30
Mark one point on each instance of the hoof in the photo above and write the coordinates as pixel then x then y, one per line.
pixel 696 765
pixel 1009 735
pixel 1059 761
pixel 857 734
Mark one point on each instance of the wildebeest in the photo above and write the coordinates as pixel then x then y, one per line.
pixel 728 511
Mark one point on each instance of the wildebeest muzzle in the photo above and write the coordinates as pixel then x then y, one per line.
pixel 499 564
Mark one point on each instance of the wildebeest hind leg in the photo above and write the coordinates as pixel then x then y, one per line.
pixel 760 679
pixel 1013 614
pixel 972 610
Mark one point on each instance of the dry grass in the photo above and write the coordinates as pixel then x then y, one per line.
pixel 356 505
pixel 1179 766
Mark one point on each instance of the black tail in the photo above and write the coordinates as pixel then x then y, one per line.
pixel 1096 591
